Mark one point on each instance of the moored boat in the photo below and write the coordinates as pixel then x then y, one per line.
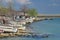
pixel 29 20
pixel 8 29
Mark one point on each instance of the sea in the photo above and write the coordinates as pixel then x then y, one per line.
pixel 46 26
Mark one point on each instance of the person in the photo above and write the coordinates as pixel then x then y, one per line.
pixel 3 21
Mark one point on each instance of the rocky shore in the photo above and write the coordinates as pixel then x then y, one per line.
pixel 26 32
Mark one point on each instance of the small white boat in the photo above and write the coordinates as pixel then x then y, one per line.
pixel 13 23
pixel 29 20
pixel 8 29
pixel 23 22
pixel 22 28
pixel 18 26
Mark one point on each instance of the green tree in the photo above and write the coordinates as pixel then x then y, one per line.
pixel 32 12
pixel 3 10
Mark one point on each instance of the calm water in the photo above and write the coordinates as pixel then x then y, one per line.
pixel 46 26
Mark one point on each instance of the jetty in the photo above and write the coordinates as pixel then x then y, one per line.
pixel 48 16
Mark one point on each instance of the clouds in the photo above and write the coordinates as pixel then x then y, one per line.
pixel 0 0
pixel 7 1
pixel 24 1
pixel 18 1
pixel 54 4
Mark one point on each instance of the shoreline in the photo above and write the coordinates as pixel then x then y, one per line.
pixel 22 32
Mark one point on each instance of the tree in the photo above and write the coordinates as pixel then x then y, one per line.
pixel 32 12
pixel 24 9
pixel 3 10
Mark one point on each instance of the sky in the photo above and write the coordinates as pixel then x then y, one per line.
pixel 42 6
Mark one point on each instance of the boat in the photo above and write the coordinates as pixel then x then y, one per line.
pixel 14 23
pixel 22 28
pixel 29 20
pixel 8 29
pixel 23 22
pixel 18 26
